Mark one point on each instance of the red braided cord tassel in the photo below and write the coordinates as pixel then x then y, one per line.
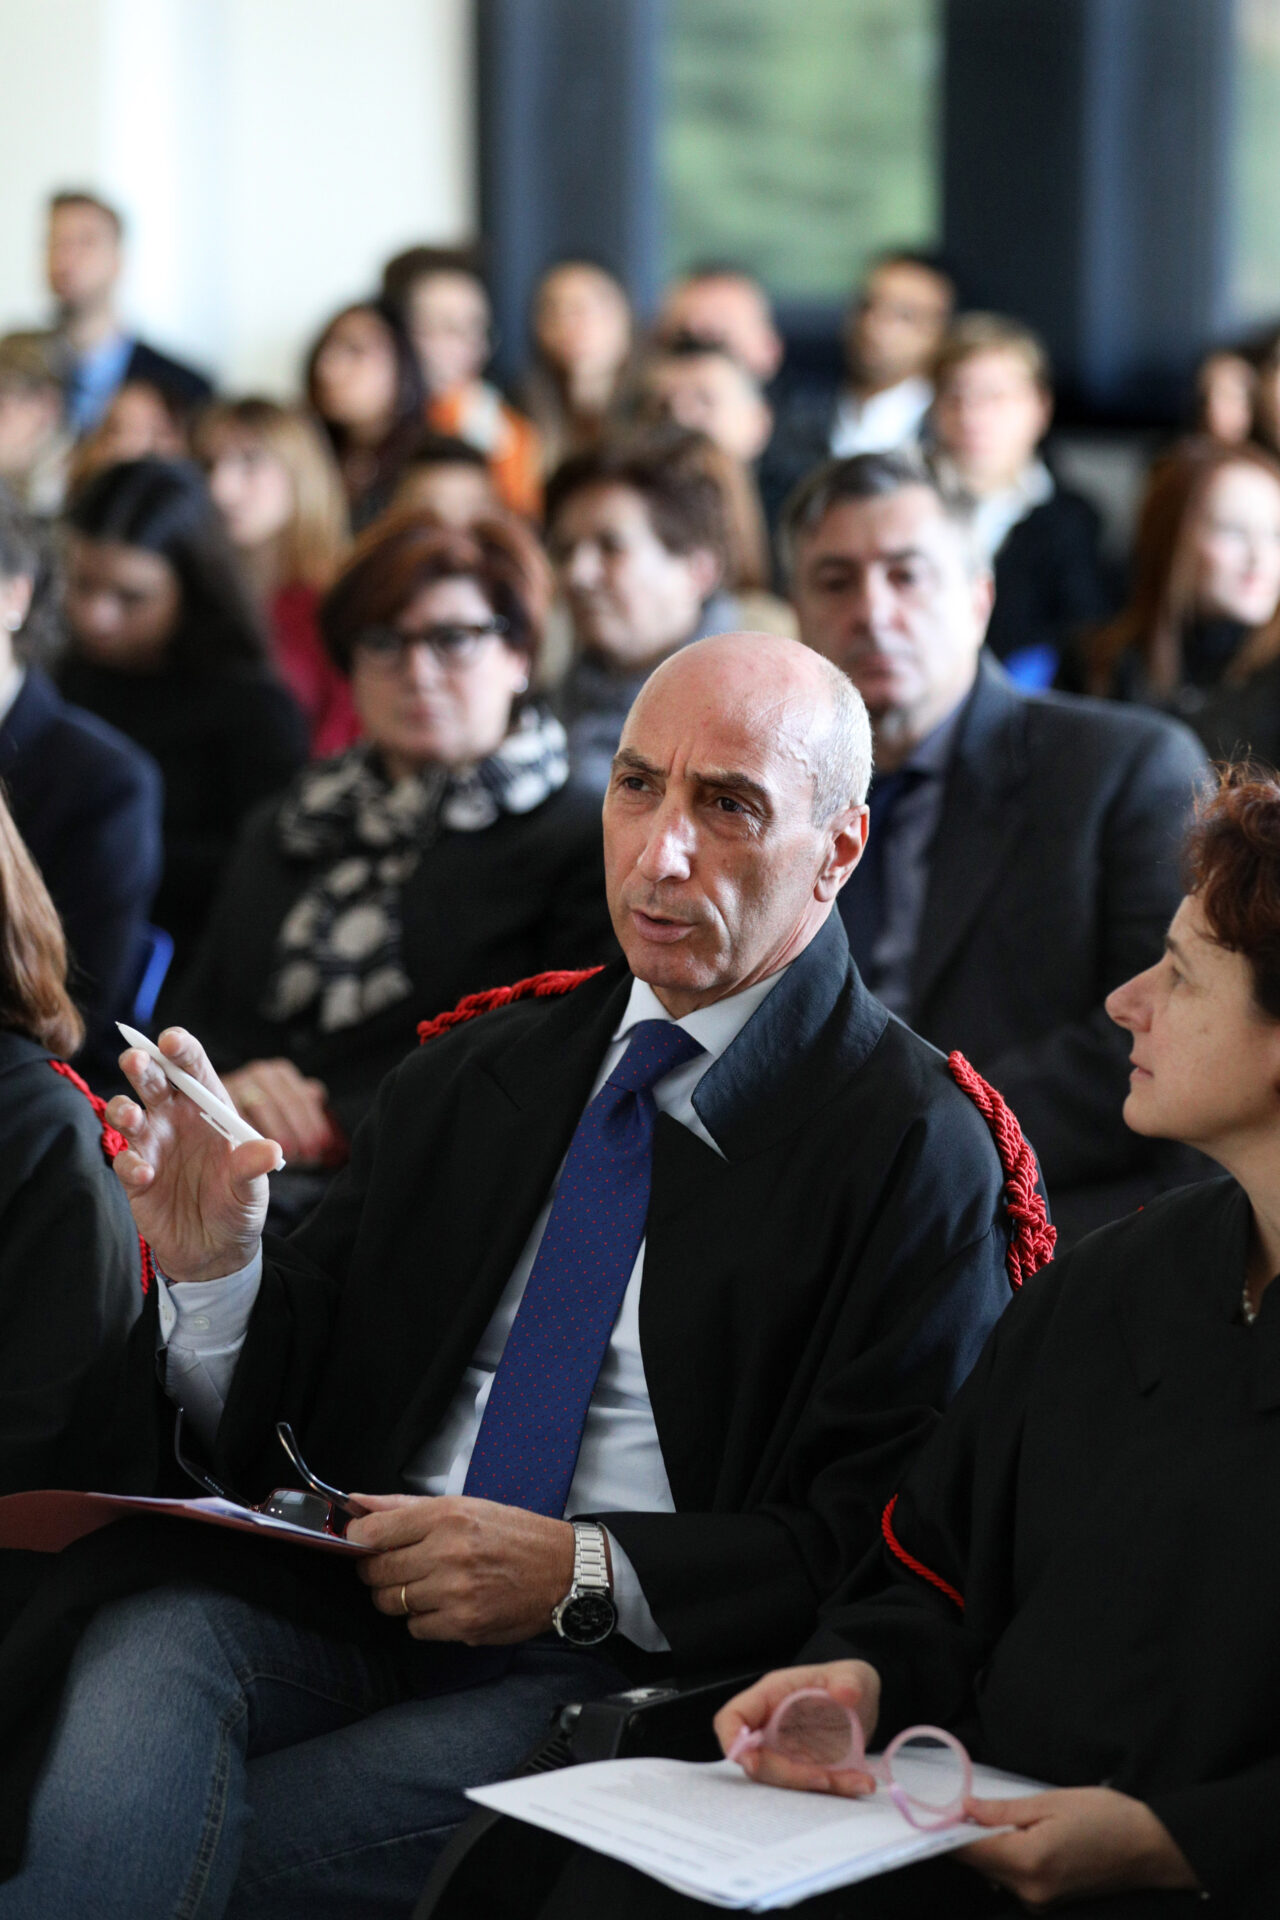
pixel 112 1144
pixel 539 986
pixel 896 1548
pixel 1032 1241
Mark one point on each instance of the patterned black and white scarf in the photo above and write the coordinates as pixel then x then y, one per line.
pixel 339 949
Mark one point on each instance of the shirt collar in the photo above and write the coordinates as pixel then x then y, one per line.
pixel 933 753
pixel 715 1028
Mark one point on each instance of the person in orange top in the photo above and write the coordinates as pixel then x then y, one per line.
pixel 442 301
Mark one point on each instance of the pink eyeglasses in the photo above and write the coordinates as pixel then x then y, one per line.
pixel 927 1771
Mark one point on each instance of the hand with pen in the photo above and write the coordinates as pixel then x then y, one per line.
pixel 198 1200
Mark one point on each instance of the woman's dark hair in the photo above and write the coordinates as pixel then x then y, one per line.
pixel 404 552
pixel 410 395
pixel 163 506
pixel 33 953
pixel 26 554
pixel 670 472
pixel 404 270
pixel 1233 868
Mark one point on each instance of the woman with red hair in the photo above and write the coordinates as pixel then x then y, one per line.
pixel 444 853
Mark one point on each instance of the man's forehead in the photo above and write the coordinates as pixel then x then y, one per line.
pixel 912 517
pixel 753 731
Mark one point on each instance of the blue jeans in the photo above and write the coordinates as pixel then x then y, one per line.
pixel 211 1758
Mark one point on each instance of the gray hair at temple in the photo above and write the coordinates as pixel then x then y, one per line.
pixel 870 476
pixel 840 760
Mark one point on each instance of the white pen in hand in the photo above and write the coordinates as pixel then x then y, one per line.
pixel 219 1114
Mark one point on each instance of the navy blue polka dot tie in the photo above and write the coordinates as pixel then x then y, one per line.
pixel 527 1446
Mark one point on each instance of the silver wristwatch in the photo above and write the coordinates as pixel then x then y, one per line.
pixel 587 1615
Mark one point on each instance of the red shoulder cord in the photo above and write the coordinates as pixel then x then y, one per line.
pixel 539 986
pixel 112 1144
pixel 1032 1241
pixel 896 1547
pixel 1031 1246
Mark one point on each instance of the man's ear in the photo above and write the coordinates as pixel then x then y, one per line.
pixel 707 569
pixel 984 597
pixel 846 844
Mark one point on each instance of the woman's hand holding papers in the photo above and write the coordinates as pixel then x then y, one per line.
pixel 852 1682
pixel 198 1202
pixel 1076 1843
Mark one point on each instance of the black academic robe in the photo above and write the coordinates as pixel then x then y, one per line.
pixel 1104 1496
pixel 810 1298
pixel 77 1322
pixel 810 1301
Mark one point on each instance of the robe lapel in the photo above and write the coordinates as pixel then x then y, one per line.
pixel 524 1106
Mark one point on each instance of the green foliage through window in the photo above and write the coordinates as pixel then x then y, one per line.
pixel 799 136
pixel 1256 275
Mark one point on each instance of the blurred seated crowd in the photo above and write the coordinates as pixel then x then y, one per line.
pixel 308 711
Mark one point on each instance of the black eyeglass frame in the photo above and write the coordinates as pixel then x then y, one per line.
pixel 317 1507
pixel 452 642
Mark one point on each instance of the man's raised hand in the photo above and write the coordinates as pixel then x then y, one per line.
pixel 198 1201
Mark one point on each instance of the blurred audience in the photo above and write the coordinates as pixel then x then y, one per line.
pixel 34 443
pixel 84 261
pixel 446 853
pixel 727 307
pixel 582 357
pixel 702 389
pixel 993 405
pixel 1266 397
pixel 140 422
pixel 273 480
pixel 1204 600
pixel 164 644
pixel 1023 853
pixel 445 310
pixel 892 334
pixel 448 479
pixel 1226 396
pixel 363 383
pixel 638 533
pixel 85 799
pixel 77 1356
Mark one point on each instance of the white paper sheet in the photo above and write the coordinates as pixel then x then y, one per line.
pixel 710 1832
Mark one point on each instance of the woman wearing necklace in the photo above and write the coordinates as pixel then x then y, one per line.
pixel 445 853
pixel 1080 1575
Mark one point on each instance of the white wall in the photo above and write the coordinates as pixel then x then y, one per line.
pixel 268 155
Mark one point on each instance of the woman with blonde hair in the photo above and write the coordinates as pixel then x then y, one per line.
pixel 1204 606
pixel 277 487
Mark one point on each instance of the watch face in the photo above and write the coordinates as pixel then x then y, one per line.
pixel 588 1619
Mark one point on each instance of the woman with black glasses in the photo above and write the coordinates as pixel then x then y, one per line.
pixel 444 854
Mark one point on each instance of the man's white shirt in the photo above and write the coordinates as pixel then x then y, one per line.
pixel 620 1466
pixel 883 421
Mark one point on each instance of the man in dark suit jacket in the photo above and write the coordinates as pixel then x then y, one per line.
pixel 1028 845
pixel 100 354
pixel 812 1270
pixel 88 803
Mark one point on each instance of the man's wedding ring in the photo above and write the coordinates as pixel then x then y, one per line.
pixel 404 1600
